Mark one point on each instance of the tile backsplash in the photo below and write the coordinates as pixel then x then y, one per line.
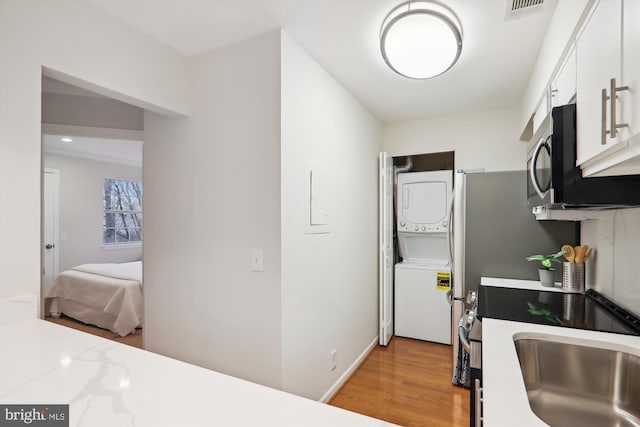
pixel 614 268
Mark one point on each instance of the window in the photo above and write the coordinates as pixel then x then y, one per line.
pixel 122 204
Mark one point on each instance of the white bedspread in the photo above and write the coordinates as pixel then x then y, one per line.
pixel 117 292
pixel 126 270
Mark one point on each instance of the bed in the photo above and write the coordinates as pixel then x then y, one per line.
pixel 105 295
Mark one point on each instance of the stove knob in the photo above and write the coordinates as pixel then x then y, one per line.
pixel 402 223
pixel 445 223
pixel 423 228
pixel 416 228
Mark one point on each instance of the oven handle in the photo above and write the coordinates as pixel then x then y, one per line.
pixel 464 341
pixel 478 403
pixel 532 169
pixel 466 323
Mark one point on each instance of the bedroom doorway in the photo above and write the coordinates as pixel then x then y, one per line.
pixel 91 218
pixel 50 222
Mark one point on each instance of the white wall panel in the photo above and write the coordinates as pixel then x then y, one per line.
pixel 83 43
pixel 212 195
pixel 329 280
pixel 615 265
pixel 484 140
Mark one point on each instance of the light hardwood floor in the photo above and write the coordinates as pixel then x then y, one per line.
pixel 407 383
pixel 134 339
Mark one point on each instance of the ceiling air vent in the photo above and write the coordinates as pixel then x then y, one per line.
pixel 518 8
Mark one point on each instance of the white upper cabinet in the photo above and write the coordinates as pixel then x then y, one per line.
pixel 599 53
pixel 541 116
pixel 563 86
pixel 631 67
pixel 608 111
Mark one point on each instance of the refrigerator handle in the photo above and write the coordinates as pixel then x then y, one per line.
pixel 457 235
pixel 449 297
pixel 450 231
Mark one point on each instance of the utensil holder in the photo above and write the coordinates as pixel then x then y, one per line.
pixel 573 276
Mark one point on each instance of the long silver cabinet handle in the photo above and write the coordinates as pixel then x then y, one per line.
pixel 478 403
pixel 603 124
pixel 614 126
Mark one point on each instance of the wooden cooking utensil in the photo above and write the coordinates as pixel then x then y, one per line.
pixel 569 253
pixel 587 255
pixel 580 253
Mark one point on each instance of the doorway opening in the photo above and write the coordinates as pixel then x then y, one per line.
pixel 92 226
pixel 431 238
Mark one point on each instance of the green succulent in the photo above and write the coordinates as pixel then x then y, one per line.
pixel 546 260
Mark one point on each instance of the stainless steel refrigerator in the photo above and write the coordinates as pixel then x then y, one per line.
pixel 494 231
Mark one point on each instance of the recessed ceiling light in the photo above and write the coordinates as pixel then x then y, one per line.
pixel 66 140
pixel 421 39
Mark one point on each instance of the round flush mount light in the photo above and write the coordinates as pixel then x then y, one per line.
pixel 421 39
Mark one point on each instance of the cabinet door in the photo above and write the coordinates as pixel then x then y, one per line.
pixel 598 51
pixel 631 67
pixel 541 115
pixel 563 87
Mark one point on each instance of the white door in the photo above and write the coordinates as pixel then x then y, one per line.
pixel 50 232
pixel 598 55
pixel 386 248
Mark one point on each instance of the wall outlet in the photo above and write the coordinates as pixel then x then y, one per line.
pixel 333 359
pixel 257 262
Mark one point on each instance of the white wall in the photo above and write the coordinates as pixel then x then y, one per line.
pixel 75 39
pixel 81 191
pixel 483 140
pixel 615 266
pixel 329 281
pixel 212 182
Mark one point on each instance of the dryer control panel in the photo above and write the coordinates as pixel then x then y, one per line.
pixel 424 201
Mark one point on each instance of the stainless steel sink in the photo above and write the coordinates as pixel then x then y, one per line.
pixel 577 384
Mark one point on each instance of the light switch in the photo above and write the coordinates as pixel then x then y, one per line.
pixel 257 263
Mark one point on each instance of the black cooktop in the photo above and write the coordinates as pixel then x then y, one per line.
pixel 582 311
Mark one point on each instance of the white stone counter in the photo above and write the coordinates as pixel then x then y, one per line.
pixel 110 384
pixel 505 397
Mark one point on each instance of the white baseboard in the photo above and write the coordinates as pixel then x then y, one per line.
pixel 347 374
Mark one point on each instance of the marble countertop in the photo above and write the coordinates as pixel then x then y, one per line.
pixel 107 383
pixel 505 401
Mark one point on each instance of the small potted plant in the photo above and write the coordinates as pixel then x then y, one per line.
pixel 547 274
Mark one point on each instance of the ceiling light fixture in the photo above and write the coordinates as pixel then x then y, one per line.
pixel 421 39
pixel 66 140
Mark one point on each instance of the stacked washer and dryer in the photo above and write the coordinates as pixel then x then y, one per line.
pixel 422 279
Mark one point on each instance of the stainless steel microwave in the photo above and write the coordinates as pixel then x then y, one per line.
pixel 554 180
